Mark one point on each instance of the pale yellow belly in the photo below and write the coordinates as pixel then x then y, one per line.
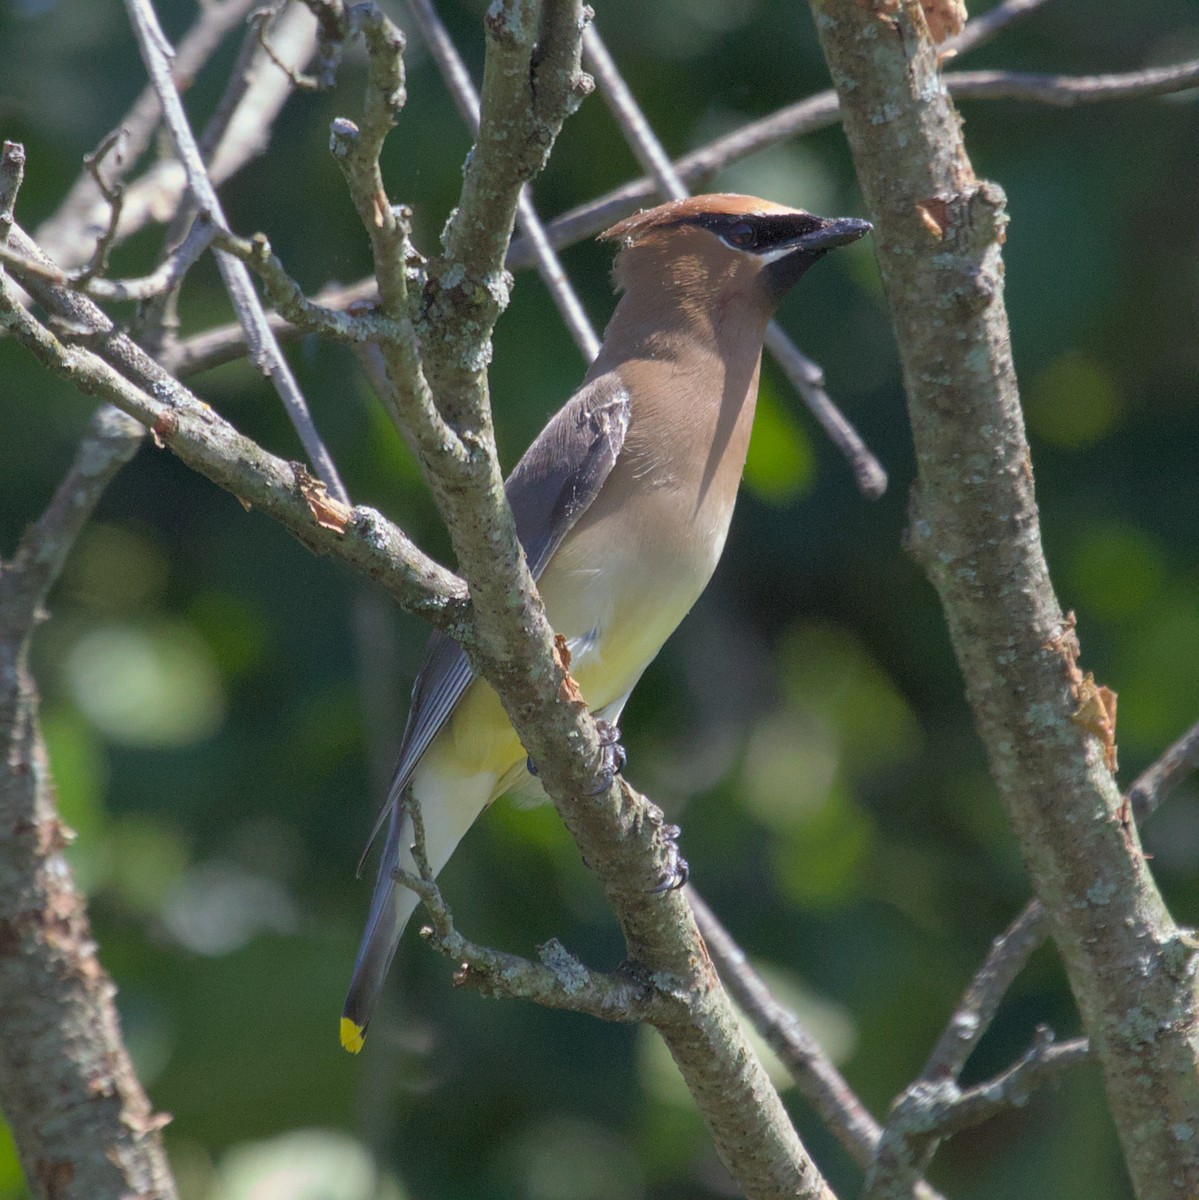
pixel 616 604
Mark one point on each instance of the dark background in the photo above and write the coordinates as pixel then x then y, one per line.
pixel 204 702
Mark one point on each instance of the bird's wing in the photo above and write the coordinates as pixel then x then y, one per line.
pixel 562 472
pixel 559 476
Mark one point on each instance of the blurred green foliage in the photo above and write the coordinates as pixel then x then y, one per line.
pixel 205 708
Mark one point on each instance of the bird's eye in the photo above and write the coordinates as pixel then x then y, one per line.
pixel 742 235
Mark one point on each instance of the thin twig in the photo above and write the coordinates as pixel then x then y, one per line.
pixel 68 236
pixel 814 1072
pixel 1069 91
pixel 980 1002
pixel 1044 1061
pixel 158 320
pixel 934 1110
pixel 1011 949
pixel 265 350
pixel 806 376
pixel 559 981
pixel 988 25
pixel 227 343
pixel 288 297
pixel 180 421
pixel 399 270
pixel 111 441
pixel 113 194
pixel 256 104
pixel 822 110
pixel 12 172
pixel 1160 778
pixel 466 100
pixel 166 276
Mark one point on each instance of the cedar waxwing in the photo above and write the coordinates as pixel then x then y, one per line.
pixel 622 505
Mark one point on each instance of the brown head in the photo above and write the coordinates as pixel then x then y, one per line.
pixel 707 252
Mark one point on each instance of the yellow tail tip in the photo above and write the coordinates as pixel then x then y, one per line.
pixel 352 1036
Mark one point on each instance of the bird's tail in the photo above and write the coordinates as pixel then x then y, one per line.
pixel 450 803
pixel 391 906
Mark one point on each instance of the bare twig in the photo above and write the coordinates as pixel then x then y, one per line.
pixel 822 110
pixel 227 343
pixel 113 194
pixel 559 981
pixel 980 1002
pixel 1156 782
pixel 1069 91
pixel 289 299
pixel 806 376
pixel 69 235
pixel 156 194
pixel 814 1072
pixel 265 349
pixel 466 100
pixel 932 1111
pixel 259 25
pixel 168 275
pixel 12 172
pixel 285 491
pixel 989 25
pixel 111 441
pixel 253 81
pixel 1043 1062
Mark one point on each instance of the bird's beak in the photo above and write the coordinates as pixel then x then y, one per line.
pixel 790 260
pixel 837 232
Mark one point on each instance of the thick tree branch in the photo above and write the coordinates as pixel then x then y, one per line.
pixel 975 528
pixel 83 1126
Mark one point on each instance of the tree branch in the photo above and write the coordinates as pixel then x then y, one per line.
pixel 814 1072
pixel 1012 948
pixel 975 529
pixel 82 1123
pixel 559 981
pixel 823 110
pixel 284 491
pixel 930 1112
pixel 68 235
pixel 265 349
pixel 466 100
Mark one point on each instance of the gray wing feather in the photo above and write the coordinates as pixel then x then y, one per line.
pixel 559 476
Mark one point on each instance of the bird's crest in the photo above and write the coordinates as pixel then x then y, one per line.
pixel 674 212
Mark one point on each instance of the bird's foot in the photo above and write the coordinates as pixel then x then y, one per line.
pixel 612 755
pixel 677 871
pixel 612 752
